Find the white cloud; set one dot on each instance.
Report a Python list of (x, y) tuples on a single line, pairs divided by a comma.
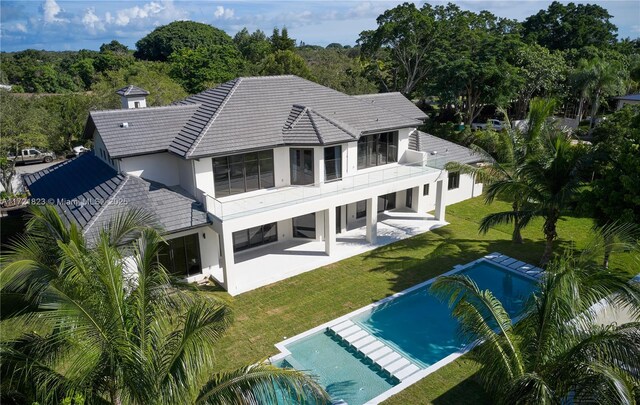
[(123, 17), (20, 27), (108, 18), (92, 22), (50, 11), (224, 13)]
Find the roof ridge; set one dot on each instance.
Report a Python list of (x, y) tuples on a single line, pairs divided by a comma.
[(300, 114), (154, 108), (213, 118), (315, 127), (336, 124), (106, 204), (386, 93)]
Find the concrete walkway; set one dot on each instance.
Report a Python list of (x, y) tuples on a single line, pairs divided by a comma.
[(269, 264)]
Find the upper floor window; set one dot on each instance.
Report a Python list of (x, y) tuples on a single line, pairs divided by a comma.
[(333, 163), (301, 161), (425, 189), (241, 173), (454, 180), (377, 149)]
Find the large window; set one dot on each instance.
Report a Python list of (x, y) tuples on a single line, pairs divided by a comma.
[(386, 202), (181, 256), (333, 163), (241, 173), (304, 226), (454, 180), (256, 236), (378, 149), (301, 166), (361, 209)]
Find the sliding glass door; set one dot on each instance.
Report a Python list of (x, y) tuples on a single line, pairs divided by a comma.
[(181, 256), (301, 166)]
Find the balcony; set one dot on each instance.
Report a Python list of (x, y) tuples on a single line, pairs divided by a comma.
[(242, 205)]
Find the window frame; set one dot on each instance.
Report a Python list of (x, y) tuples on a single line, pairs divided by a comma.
[(453, 181), (231, 170), (377, 149)]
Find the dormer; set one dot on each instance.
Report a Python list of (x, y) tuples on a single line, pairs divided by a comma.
[(133, 97)]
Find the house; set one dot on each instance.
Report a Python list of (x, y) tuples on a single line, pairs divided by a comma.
[(254, 167), (632, 99)]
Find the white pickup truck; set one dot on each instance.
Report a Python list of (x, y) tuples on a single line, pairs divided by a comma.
[(32, 155), (494, 124)]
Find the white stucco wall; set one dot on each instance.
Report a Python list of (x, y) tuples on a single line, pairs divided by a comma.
[(203, 173), (99, 148), (130, 102), (161, 167), (466, 190)]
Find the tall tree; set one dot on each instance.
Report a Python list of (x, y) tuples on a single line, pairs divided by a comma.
[(201, 68), (613, 196), (285, 63), (474, 70), (546, 181), (253, 47), (558, 350), (543, 74), (280, 40), (166, 39), (570, 26), (118, 339), (404, 49)]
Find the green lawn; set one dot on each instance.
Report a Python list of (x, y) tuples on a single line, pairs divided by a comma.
[(270, 314)]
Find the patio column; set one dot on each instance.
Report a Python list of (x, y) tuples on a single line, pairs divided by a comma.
[(372, 220), (416, 198), (440, 200), (330, 231), (228, 260)]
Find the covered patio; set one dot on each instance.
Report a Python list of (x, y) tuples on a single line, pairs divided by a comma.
[(277, 261)]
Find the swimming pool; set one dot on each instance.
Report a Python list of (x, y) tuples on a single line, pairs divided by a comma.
[(413, 329)]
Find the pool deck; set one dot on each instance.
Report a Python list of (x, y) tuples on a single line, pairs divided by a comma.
[(415, 376)]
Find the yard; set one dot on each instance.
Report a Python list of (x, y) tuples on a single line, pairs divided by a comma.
[(270, 314)]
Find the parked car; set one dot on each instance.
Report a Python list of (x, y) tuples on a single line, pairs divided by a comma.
[(32, 155), (494, 124), (79, 150)]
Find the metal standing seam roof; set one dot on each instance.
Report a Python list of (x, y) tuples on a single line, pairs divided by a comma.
[(89, 192), (395, 102), (132, 90), (251, 113), (446, 151)]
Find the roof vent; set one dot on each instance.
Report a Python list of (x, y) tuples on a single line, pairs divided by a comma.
[(124, 125), (435, 152)]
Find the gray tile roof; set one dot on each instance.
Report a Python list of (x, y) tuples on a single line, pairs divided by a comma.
[(307, 127), (395, 102), (442, 151), (89, 192), (132, 90), (251, 113), (148, 130)]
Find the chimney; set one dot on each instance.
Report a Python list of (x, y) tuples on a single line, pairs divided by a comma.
[(133, 97)]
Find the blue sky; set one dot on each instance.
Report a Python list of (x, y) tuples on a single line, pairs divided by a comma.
[(78, 24)]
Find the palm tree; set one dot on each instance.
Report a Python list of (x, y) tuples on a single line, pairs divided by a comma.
[(545, 182), (557, 351), (93, 327), (513, 148)]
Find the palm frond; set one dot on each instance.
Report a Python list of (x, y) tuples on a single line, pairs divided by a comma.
[(262, 384)]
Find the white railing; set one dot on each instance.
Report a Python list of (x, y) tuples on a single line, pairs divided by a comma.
[(241, 205)]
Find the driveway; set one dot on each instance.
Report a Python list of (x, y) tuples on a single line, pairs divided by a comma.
[(26, 169)]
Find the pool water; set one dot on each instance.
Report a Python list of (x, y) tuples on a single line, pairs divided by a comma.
[(342, 374), (417, 324), (422, 327)]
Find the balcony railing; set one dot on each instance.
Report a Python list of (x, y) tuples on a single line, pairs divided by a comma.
[(242, 205)]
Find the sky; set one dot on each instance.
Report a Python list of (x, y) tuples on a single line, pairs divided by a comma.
[(80, 24)]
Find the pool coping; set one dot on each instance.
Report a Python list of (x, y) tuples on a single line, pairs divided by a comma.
[(284, 352)]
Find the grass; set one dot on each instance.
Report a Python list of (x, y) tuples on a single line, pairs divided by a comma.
[(270, 314)]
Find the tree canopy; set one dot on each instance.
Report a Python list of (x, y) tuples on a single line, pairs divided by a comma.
[(570, 26), (163, 41)]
